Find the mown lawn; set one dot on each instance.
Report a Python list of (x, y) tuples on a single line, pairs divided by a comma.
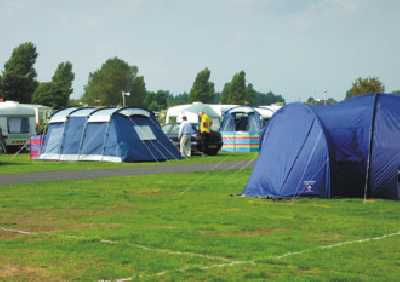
[(20, 163), (188, 227)]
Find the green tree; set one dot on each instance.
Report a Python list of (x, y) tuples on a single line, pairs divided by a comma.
[(157, 101), (57, 92), (265, 99), (19, 75), (180, 99), (250, 94), (62, 79), (237, 91), (397, 92), (74, 103), (202, 89), (312, 101), (49, 95), (105, 85), (363, 86), (137, 93), (331, 101)]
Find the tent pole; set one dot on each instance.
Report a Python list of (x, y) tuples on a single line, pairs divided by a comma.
[(371, 138)]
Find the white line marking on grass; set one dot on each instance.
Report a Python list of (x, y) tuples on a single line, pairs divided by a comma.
[(228, 262), (288, 254), (17, 231), (111, 242), (179, 253), (331, 246), (184, 269)]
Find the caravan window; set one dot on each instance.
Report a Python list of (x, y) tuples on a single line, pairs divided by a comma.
[(18, 125)]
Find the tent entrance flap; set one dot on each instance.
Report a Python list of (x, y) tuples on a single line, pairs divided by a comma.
[(241, 130), (287, 166), (349, 179)]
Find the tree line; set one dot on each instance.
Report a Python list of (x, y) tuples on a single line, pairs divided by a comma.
[(361, 86), (115, 76), (18, 82)]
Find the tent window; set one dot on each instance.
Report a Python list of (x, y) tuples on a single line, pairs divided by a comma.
[(73, 135), (144, 132), (241, 122), (18, 125), (93, 142), (54, 137)]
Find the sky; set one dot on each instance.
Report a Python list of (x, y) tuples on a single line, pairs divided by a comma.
[(296, 48)]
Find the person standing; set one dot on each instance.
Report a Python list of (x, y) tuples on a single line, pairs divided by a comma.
[(185, 135), (205, 125)]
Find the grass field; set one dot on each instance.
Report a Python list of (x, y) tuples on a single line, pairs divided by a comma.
[(13, 164), (188, 227)]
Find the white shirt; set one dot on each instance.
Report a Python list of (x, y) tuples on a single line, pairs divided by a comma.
[(185, 128)]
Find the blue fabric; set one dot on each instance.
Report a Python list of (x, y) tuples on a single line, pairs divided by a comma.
[(111, 147), (289, 166), (385, 159), (73, 135), (324, 150), (231, 123), (348, 127), (131, 148), (93, 142), (115, 138), (53, 138)]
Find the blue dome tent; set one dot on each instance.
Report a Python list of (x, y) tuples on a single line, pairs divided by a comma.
[(241, 129), (106, 134), (350, 149)]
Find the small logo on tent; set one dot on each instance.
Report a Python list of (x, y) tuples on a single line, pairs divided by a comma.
[(308, 186)]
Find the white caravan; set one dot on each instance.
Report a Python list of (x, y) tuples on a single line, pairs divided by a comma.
[(267, 112), (17, 123), (42, 114), (175, 113)]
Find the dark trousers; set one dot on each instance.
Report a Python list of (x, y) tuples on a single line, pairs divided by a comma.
[(204, 141)]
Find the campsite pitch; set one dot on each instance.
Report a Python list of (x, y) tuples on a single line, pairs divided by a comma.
[(187, 227)]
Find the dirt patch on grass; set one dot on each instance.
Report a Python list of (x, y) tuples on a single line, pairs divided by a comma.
[(154, 191), (7, 235), (233, 210), (51, 220), (22, 273), (245, 233), (155, 227)]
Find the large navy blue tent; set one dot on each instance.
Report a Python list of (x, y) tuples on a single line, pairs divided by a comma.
[(106, 134), (329, 151)]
